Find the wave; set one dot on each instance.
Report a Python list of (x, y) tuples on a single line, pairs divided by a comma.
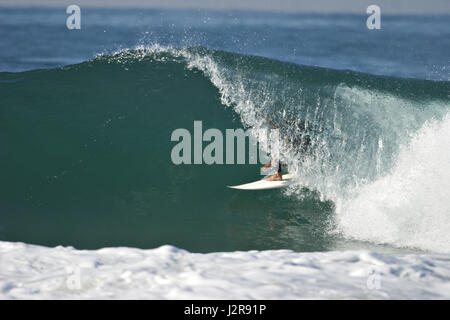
[(84, 123), (379, 144)]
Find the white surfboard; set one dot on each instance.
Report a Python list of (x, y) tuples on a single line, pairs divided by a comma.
[(264, 185)]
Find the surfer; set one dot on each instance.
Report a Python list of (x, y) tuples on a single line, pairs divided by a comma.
[(277, 176), (297, 132)]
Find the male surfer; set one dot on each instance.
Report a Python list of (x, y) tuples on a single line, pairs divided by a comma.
[(297, 133), (277, 176)]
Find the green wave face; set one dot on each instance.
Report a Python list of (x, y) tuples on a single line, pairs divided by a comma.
[(85, 150)]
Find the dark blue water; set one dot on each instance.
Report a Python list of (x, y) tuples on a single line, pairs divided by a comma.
[(406, 46)]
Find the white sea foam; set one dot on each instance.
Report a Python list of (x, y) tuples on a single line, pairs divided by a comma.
[(410, 205), (36, 272)]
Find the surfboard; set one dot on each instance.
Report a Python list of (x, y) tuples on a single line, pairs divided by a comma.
[(265, 185)]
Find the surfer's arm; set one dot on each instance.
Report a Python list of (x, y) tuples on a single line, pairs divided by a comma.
[(268, 165)]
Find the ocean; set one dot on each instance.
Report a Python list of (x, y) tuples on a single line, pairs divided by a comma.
[(85, 153)]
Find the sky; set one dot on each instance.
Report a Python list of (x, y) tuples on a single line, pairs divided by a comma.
[(294, 6)]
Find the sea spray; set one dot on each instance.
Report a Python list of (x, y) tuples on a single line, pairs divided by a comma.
[(409, 205)]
